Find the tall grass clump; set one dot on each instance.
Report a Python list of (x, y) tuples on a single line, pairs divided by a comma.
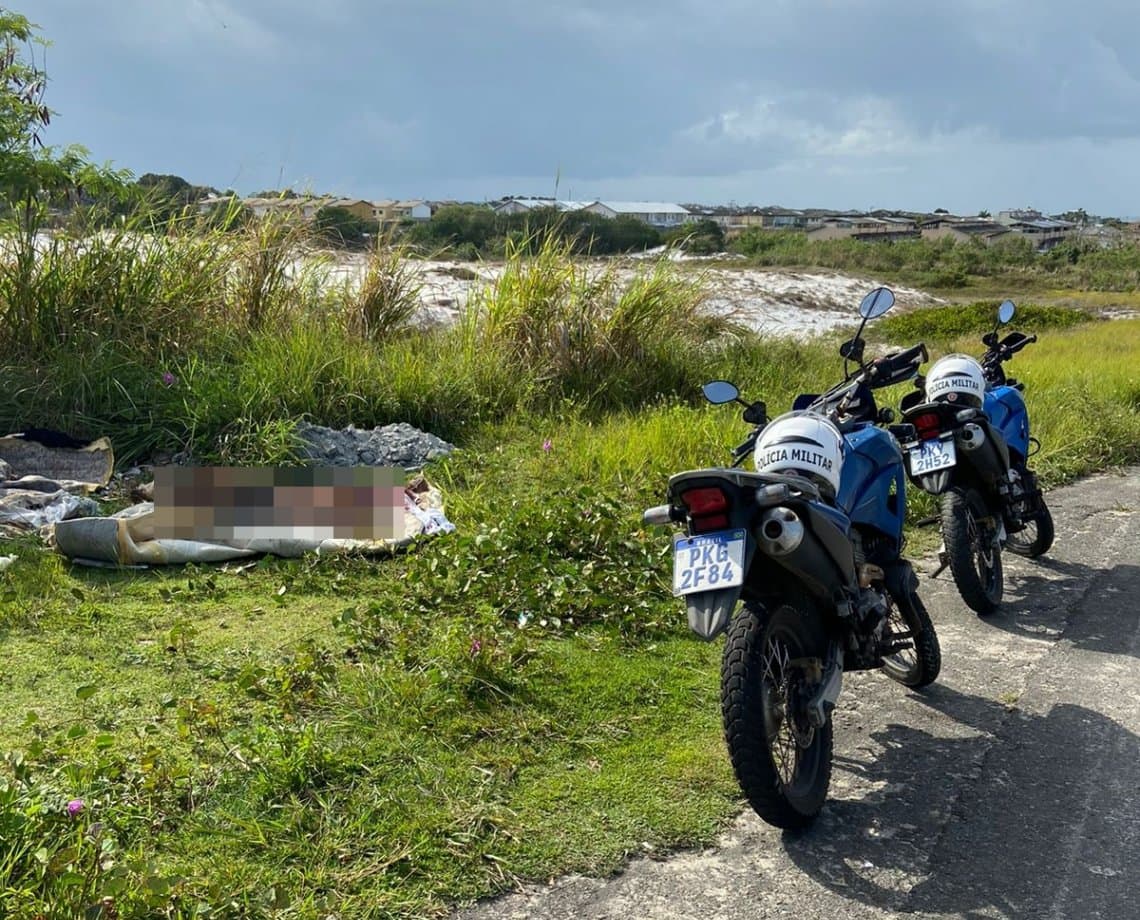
[(270, 282), (199, 332), (388, 295), (131, 327), (149, 295), (581, 333)]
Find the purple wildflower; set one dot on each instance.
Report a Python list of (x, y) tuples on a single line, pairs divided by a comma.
[(168, 379), (74, 807), (476, 647), (546, 445)]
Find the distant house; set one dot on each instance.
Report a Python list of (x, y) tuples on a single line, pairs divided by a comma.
[(660, 214), (1045, 232), (357, 207), (864, 227), (783, 219), (768, 218), (395, 211), (306, 207), (525, 205), (963, 229), (1017, 215), (415, 209)]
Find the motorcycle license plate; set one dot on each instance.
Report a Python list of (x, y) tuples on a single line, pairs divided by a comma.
[(708, 562), (931, 456)]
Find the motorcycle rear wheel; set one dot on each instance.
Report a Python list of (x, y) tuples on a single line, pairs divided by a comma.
[(975, 557), (783, 764)]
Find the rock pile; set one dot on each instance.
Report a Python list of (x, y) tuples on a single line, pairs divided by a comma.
[(400, 444)]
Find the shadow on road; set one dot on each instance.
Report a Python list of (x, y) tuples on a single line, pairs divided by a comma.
[(1039, 605), (1012, 809)]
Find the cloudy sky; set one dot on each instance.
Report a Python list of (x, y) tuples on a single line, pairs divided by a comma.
[(963, 104)]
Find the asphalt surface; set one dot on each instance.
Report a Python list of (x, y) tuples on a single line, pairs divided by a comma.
[(1009, 789)]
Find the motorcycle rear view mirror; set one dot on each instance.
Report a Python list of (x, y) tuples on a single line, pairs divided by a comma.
[(720, 391), (876, 303), (1006, 311)]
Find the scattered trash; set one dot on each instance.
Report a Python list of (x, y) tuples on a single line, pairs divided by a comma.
[(33, 509), (45, 476)]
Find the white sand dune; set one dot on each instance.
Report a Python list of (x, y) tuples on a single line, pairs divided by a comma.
[(783, 302)]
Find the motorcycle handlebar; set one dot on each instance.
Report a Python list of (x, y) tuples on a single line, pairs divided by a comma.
[(892, 368), (1003, 351), (745, 447)]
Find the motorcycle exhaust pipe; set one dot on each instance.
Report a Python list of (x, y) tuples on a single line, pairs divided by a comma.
[(781, 531), (971, 437)]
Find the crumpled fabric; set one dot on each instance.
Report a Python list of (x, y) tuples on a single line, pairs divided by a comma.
[(45, 476), (34, 505)]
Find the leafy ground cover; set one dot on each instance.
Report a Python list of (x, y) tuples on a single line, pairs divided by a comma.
[(388, 738)]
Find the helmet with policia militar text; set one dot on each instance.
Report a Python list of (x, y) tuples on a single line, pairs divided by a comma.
[(804, 444), (957, 379)]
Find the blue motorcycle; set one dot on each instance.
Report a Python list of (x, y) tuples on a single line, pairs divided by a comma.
[(1028, 521), (970, 448), (810, 547)]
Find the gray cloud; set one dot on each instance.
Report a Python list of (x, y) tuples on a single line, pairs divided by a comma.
[(414, 95)]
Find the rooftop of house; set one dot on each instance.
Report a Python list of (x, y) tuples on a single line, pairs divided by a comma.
[(642, 207), (1044, 223), (545, 203)]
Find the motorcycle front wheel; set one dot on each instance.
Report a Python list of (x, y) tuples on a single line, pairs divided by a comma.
[(975, 557), (919, 665), (782, 762), (1036, 537)]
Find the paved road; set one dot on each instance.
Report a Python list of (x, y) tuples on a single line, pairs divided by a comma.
[(1010, 789)]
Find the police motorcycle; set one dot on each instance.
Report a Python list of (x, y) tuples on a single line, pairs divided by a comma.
[(970, 447), (810, 546)]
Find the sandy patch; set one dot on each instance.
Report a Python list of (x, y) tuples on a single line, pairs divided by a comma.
[(775, 301)]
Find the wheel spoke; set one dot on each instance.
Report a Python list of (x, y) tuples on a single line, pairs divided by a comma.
[(781, 736)]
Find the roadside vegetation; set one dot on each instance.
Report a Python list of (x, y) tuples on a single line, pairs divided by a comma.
[(387, 738), (1010, 265)]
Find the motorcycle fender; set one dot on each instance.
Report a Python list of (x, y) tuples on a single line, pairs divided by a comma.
[(936, 483), (711, 611), (900, 578)]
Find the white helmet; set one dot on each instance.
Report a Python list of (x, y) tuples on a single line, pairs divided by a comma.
[(958, 379), (803, 443)]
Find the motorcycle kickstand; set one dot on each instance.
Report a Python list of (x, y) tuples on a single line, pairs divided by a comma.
[(943, 561)]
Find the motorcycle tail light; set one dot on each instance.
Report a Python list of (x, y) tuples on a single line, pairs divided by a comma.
[(707, 507), (927, 425)]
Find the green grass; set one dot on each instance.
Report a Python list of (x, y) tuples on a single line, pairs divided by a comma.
[(518, 700), (1010, 266), (974, 319)]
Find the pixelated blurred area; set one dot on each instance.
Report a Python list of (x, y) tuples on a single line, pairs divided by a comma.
[(408, 511), (354, 494), (294, 503)]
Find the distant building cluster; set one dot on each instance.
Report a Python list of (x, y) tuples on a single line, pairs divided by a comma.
[(818, 224), (384, 212)]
